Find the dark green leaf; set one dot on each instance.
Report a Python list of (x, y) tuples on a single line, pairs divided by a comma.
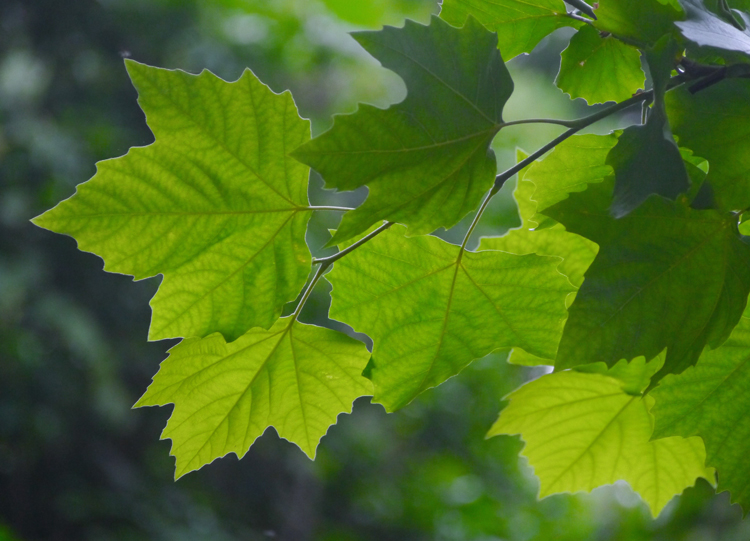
[(705, 29), (426, 161)]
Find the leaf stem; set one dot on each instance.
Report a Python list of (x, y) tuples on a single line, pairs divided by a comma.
[(566, 123), (328, 261), (337, 209)]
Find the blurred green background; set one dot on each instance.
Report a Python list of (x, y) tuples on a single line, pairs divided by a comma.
[(76, 463)]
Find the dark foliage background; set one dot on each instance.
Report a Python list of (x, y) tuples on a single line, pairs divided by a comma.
[(76, 463)]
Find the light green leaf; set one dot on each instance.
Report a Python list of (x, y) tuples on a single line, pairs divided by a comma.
[(294, 377), (426, 160), (215, 204), (431, 309), (646, 159), (713, 123), (520, 24), (583, 431), (599, 69), (710, 400), (666, 275), (640, 22)]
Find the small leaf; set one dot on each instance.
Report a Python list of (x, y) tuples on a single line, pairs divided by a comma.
[(710, 400), (426, 161), (599, 69), (713, 123), (583, 430), (646, 159), (215, 204), (520, 24), (666, 275), (431, 309), (294, 377), (705, 29)]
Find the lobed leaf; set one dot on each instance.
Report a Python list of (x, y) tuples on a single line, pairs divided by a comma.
[(431, 308), (294, 377), (710, 400), (427, 160), (583, 430), (520, 24), (215, 204), (599, 68)]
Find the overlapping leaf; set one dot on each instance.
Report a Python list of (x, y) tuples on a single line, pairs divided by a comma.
[(215, 204), (666, 275), (599, 68), (710, 400), (641, 22), (297, 378), (426, 160), (583, 430), (431, 309), (713, 124), (520, 24), (646, 159), (706, 29)]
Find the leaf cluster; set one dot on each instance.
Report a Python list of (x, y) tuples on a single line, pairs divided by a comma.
[(630, 273)]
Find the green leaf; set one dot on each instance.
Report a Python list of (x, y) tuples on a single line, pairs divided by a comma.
[(640, 22), (710, 400), (599, 69), (215, 204), (431, 309), (646, 159), (666, 275), (705, 29), (520, 24), (294, 377), (584, 430), (713, 123), (426, 160)]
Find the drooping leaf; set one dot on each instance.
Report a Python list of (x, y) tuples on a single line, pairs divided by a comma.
[(713, 124), (599, 68), (666, 275), (583, 430), (641, 22), (215, 204), (706, 29), (426, 160), (431, 309), (646, 159), (297, 378), (710, 400), (520, 24)]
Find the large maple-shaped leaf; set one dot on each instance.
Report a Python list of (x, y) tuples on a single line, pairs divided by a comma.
[(215, 204), (431, 308), (646, 159), (297, 378), (666, 275), (520, 24), (426, 160), (710, 400), (599, 68), (713, 123), (706, 29), (584, 430)]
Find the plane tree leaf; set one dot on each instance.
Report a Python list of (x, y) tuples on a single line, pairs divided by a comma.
[(584, 430), (297, 378), (431, 308), (215, 204), (599, 68), (706, 29), (710, 400), (520, 24), (666, 275), (646, 159), (713, 124), (426, 160)]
